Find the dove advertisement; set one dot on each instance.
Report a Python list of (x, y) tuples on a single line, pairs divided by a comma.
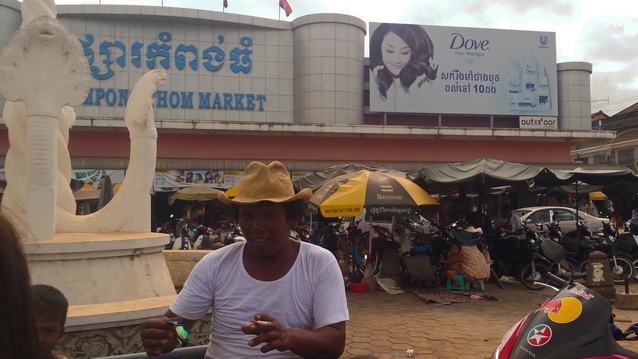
[(452, 70)]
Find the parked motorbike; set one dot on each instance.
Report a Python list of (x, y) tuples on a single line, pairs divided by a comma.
[(300, 233), (550, 236), (234, 235), (627, 242), (548, 332), (407, 232), (553, 231), (381, 239), (520, 258), (620, 263), (183, 233), (207, 238), (169, 227)]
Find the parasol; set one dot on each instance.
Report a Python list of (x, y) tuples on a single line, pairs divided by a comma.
[(194, 193)]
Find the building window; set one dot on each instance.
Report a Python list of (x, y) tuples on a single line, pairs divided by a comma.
[(599, 159), (626, 157)]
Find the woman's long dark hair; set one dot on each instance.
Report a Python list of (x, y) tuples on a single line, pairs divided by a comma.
[(19, 339), (422, 52)]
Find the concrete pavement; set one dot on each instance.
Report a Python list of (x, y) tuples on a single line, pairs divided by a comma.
[(387, 325)]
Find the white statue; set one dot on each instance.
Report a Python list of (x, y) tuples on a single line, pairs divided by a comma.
[(43, 73)]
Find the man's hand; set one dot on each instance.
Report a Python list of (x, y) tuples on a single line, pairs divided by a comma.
[(158, 336), (325, 342)]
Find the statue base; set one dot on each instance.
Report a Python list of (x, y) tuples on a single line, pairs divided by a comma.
[(113, 282)]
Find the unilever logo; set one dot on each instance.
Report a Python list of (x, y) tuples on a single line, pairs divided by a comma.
[(543, 40)]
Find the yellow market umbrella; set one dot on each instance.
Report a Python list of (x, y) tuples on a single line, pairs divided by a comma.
[(381, 194), (597, 196), (88, 186), (231, 192), (194, 193)]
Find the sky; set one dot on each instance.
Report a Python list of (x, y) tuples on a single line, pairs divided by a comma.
[(603, 33)]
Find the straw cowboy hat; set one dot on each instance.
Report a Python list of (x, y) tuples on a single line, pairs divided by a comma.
[(265, 183)]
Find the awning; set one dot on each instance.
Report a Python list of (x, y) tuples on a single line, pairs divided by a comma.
[(318, 178)]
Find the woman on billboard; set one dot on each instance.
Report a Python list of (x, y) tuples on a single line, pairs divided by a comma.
[(400, 63)]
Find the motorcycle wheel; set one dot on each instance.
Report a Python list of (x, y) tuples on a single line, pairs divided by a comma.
[(624, 268), (527, 277), (635, 276), (375, 266), (556, 268)]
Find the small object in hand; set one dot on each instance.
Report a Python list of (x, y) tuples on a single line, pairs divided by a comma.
[(181, 333), (260, 322)]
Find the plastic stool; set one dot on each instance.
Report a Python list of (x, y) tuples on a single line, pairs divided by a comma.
[(480, 283), (461, 286)]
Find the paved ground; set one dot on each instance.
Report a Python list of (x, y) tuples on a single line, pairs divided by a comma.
[(387, 325)]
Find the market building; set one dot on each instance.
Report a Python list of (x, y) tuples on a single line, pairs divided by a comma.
[(243, 88), (620, 150)]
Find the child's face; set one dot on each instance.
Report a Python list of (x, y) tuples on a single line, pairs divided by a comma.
[(50, 332)]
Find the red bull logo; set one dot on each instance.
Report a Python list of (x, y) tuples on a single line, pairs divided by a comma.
[(563, 310), (550, 306)]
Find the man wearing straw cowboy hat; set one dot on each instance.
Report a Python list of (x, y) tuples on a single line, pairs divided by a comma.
[(269, 294)]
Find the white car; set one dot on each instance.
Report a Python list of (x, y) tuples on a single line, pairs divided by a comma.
[(565, 216), (414, 221)]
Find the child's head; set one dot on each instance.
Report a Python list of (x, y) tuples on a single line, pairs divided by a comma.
[(50, 307)]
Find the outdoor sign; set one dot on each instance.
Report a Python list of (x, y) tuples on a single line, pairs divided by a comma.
[(172, 180), (452, 70), (531, 122), (215, 71), (113, 57), (164, 180)]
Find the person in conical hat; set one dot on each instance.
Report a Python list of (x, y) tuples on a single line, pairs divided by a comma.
[(269, 294)]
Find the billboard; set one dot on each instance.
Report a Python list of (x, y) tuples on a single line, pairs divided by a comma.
[(453, 70)]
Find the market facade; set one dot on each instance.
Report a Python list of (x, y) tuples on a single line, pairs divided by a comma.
[(244, 88)]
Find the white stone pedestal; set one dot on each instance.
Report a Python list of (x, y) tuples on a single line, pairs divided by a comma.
[(96, 268), (113, 282)]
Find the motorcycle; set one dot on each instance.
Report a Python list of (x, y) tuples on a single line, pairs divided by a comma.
[(572, 324), (627, 242), (550, 236), (381, 239), (300, 233), (234, 235), (520, 258), (183, 232), (328, 238), (620, 263), (169, 227), (408, 232), (207, 238)]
